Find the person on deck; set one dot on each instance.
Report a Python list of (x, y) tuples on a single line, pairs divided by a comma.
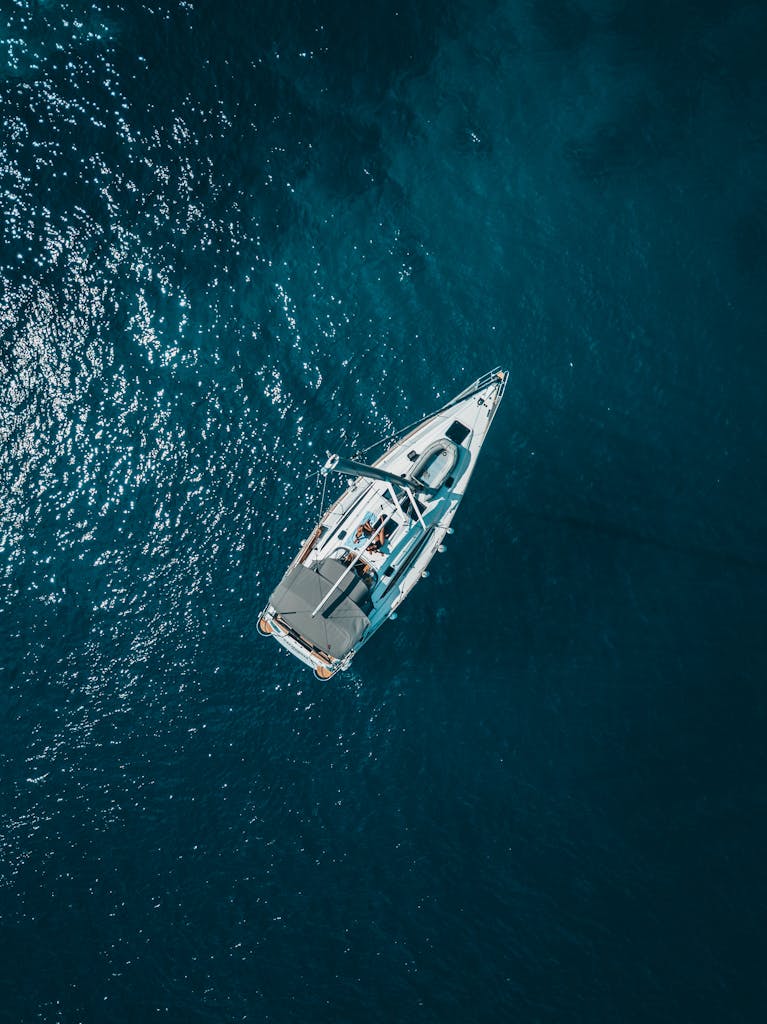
[(368, 528)]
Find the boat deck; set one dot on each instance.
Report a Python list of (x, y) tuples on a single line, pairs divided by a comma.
[(381, 532)]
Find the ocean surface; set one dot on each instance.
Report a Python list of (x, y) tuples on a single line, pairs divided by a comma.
[(236, 235)]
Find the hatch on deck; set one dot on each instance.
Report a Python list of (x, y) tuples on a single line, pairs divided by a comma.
[(457, 432)]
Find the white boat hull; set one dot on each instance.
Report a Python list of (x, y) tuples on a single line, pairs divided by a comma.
[(409, 534)]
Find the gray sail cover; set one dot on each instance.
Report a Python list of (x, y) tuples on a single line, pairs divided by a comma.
[(341, 621)]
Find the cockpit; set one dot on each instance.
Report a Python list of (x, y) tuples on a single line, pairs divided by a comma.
[(363, 568)]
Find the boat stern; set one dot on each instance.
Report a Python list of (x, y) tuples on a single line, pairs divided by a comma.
[(323, 665)]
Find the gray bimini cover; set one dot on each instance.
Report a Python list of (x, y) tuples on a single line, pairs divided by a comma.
[(341, 621)]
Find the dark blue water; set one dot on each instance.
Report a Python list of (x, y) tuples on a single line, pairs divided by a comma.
[(236, 235)]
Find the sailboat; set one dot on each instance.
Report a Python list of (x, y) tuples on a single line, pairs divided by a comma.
[(375, 542)]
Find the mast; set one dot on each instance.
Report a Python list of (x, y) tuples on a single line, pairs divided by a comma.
[(338, 464)]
